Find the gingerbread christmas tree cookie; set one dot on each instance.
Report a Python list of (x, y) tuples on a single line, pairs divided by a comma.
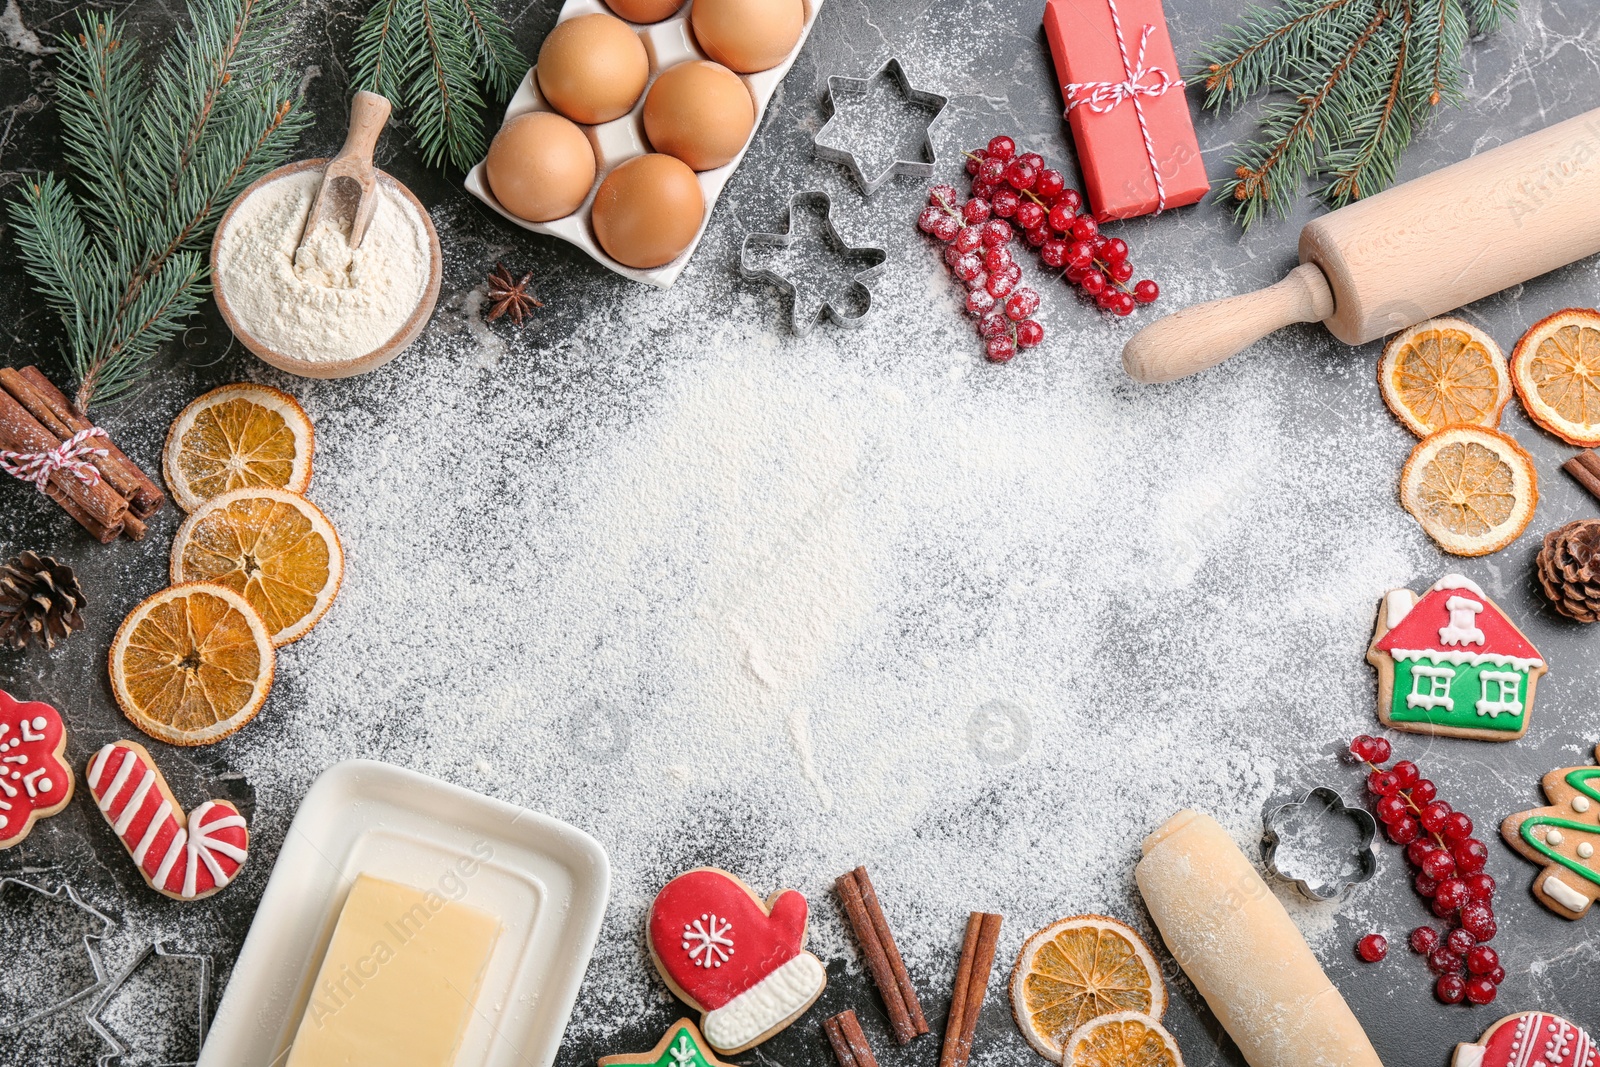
[(1451, 663), (1565, 837), (682, 1046)]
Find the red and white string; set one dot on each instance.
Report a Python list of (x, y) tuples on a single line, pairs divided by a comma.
[(37, 467), (1103, 96)]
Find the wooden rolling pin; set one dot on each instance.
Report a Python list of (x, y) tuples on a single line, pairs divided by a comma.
[(1407, 254)]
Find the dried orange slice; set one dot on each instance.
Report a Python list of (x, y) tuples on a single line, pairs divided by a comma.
[(1077, 969), (1122, 1039), (1472, 489), (276, 548), (238, 436), (1442, 372), (1556, 369), (191, 664)]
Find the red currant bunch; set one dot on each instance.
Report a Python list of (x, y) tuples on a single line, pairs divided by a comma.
[(1036, 199), (978, 252), (1449, 862)]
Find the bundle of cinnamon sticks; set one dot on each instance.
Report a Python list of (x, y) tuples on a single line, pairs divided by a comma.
[(36, 418)]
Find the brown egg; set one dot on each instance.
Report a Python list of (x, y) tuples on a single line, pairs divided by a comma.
[(592, 68), (644, 10), (648, 210), (700, 112), (540, 166), (747, 35)]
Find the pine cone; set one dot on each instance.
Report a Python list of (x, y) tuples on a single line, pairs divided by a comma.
[(40, 601), (1569, 569)]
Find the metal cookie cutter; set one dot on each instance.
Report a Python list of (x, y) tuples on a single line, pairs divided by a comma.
[(806, 313), (839, 85), (158, 951), (67, 895), (1290, 820)]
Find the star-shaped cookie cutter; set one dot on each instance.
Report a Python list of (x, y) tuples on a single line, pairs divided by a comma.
[(157, 949), (70, 896), (800, 319), (1273, 818), (922, 167)]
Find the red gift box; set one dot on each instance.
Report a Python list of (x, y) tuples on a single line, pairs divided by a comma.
[(1125, 101)]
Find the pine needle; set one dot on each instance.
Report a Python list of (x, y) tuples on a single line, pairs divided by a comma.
[(118, 251), (435, 60), (1358, 78)]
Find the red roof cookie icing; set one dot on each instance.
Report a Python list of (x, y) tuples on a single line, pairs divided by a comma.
[(1456, 616), (1530, 1039), (737, 959), (35, 781)]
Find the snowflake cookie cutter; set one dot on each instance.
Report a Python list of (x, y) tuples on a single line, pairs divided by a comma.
[(805, 314), (895, 73), (1279, 823), (155, 950), (65, 894)]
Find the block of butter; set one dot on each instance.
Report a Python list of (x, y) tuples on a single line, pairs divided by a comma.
[(399, 980)]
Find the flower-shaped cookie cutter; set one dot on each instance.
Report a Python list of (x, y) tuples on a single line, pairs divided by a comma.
[(895, 73), (802, 314), (120, 1049), (1278, 820), (64, 895)]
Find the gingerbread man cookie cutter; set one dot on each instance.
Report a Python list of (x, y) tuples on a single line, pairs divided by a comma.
[(895, 74), (864, 262), (155, 951), (1286, 821), (64, 895)]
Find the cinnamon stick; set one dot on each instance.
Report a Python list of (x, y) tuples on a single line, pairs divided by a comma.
[(972, 982), (1585, 467), (21, 432), (145, 497), (882, 955), (849, 1043), (104, 534)]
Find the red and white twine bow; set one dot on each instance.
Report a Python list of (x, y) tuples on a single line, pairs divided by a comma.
[(37, 467), (1103, 96)]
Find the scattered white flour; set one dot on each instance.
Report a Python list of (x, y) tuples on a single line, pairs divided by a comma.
[(329, 302)]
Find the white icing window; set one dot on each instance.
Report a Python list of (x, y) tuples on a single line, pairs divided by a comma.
[(1498, 693), (1463, 627), (1430, 687)]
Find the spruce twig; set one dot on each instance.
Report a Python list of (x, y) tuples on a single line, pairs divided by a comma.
[(118, 251), (1360, 77), (435, 60)]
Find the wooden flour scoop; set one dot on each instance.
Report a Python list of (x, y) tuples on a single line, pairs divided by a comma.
[(1407, 254), (349, 188)]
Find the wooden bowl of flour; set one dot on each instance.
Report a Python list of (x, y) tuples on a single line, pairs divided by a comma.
[(322, 367)]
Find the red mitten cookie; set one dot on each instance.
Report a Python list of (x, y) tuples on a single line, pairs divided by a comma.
[(1529, 1039), (185, 858), (735, 957), (35, 782)]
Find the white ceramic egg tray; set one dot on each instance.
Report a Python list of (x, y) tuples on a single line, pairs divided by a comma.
[(667, 44)]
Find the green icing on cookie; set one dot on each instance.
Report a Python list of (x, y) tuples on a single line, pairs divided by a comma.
[(683, 1051), (1453, 700), (1551, 854), (1580, 779)]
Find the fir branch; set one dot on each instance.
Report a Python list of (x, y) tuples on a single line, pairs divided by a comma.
[(1361, 77), (435, 60)]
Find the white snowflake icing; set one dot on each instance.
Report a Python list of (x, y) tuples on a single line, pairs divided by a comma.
[(683, 1053), (708, 940)]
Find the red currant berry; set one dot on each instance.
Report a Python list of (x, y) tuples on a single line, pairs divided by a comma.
[(1072, 199), (1451, 894), (1079, 254), (1450, 988), (993, 170), (1425, 886), (1024, 302), (1053, 253), (1000, 349), (1424, 939), (1121, 270), (1061, 217), (979, 301), (1020, 176), (1382, 783), (1423, 792), (997, 258), (1146, 292), (1032, 159), (1471, 855), (968, 267), (1407, 772), (1094, 283), (1418, 851), (1124, 305), (1029, 333), (1000, 284), (968, 239), (1115, 250), (942, 195), (1084, 228), (1049, 185), (1391, 809), (1075, 275), (1480, 991), (1478, 920), (1460, 942), (1380, 750), (1361, 747), (926, 220), (1029, 216), (1037, 236), (1481, 959), (1433, 816), (975, 212), (994, 324), (1403, 831), (1001, 147), (977, 281), (1106, 298), (1457, 827), (1497, 975), (1480, 887), (1442, 961), (987, 190), (945, 227), (1439, 865), (974, 161), (1373, 947), (1441, 910), (996, 232), (1005, 202), (952, 255)]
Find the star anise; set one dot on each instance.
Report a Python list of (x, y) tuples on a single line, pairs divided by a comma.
[(510, 297)]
